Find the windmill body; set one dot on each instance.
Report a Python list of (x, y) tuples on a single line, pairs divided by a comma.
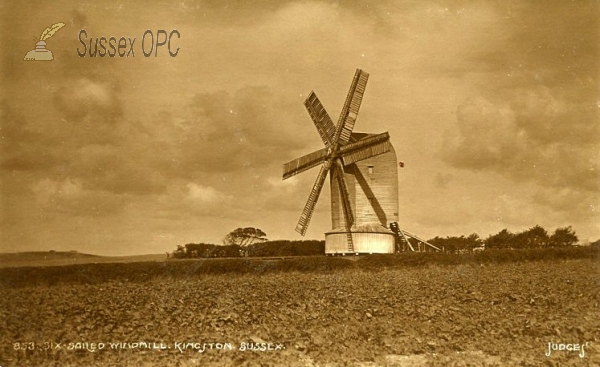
[(363, 177), (373, 193)]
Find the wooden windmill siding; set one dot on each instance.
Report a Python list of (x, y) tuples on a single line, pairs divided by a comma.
[(373, 190)]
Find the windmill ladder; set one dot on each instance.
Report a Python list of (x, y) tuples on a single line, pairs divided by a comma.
[(350, 241), (419, 239), (406, 240), (404, 235)]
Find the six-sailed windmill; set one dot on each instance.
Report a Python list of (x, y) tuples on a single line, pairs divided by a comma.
[(363, 178), (359, 177)]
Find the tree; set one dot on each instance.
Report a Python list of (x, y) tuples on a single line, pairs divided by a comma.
[(245, 237), (199, 250), (457, 245), (534, 237), (500, 240), (472, 242), (564, 236), (180, 252)]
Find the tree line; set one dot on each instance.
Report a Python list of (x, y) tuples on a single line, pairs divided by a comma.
[(262, 249), (253, 242), (534, 237), (250, 242)]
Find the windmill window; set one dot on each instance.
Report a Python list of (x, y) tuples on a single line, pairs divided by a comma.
[(370, 170)]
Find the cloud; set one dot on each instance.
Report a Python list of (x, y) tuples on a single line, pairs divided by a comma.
[(537, 136), (78, 19), (552, 43), (249, 132), (536, 119), (47, 190), (54, 196), (22, 148), (278, 183), (243, 137), (485, 137), (83, 101), (443, 179), (206, 194), (567, 200)]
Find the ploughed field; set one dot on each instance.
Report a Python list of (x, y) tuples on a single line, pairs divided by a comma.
[(333, 313)]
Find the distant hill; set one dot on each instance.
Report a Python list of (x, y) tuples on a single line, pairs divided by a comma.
[(54, 258)]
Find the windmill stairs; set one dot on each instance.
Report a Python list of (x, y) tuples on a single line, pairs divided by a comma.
[(403, 241)]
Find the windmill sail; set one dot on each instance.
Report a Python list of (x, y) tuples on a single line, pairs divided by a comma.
[(347, 209), (352, 106), (309, 208), (304, 163), (321, 119), (365, 148)]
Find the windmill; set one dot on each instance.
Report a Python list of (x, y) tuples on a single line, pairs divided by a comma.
[(363, 174)]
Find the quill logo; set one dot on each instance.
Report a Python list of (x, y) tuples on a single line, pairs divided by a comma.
[(40, 53)]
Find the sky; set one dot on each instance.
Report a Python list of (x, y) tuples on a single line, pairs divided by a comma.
[(493, 106)]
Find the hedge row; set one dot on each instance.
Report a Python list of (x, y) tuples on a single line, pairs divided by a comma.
[(188, 269)]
